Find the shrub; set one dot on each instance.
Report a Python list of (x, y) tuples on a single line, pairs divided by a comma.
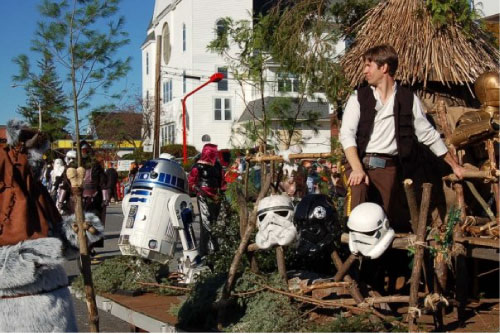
[(176, 150)]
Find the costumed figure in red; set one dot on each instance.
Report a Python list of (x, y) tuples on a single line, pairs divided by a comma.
[(206, 179)]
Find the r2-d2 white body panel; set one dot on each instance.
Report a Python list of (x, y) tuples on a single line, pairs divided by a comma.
[(157, 212)]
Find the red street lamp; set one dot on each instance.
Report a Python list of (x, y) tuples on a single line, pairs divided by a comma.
[(214, 78)]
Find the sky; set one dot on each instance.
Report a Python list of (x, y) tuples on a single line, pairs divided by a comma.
[(18, 21)]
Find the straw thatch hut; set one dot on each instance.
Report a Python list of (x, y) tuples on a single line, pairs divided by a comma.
[(436, 62)]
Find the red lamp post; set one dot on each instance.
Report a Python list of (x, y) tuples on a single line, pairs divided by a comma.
[(214, 78)]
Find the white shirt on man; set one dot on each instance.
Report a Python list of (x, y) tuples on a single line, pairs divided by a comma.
[(383, 137)]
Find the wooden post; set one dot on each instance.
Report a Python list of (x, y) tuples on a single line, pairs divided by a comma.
[(345, 268), (242, 202), (412, 203), (493, 165), (76, 179), (462, 279), (419, 253), (459, 192), (354, 289), (280, 260)]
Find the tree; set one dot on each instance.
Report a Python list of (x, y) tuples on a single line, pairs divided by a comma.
[(275, 123), (45, 94), (70, 32)]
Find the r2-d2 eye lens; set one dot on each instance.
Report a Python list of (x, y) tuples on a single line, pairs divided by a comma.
[(152, 244)]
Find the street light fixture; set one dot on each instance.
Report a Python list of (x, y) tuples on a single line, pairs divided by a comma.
[(38, 103), (216, 77)]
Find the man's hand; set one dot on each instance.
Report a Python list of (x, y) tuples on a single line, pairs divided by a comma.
[(459, 171), (358, 176)]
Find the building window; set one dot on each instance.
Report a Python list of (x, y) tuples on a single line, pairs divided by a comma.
[(184, 82), (222, 85), (167, 91), (287, 83), (168, 134), (147, 100), (183, 37), (205, 138), (147, 63), (220, 28), (222, 109)]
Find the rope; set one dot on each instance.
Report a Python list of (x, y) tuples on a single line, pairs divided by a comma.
[(432, 300), (414, 312), (412, 242)]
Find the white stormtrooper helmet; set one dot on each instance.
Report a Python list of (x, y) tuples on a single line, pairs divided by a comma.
[(275, 222), (70, 157), (370, 233)]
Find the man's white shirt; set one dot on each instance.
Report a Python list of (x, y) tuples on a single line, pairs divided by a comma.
[(383, 137)]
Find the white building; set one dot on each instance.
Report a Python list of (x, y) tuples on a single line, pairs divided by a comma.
[(187, 27)]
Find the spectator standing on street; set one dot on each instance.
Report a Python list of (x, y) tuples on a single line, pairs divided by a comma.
[(112, 176)]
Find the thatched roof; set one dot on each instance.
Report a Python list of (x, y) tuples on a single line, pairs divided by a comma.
[(426, 53)]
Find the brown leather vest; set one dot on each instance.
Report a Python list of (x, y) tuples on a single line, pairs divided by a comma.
[(403, 121), (26, 209)]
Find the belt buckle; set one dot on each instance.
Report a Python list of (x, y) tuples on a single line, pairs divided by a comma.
[(374, 162)]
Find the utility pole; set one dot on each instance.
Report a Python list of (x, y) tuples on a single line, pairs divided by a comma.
[(156, 140)]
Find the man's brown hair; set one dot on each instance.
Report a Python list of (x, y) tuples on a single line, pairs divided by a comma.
[(383, 54)]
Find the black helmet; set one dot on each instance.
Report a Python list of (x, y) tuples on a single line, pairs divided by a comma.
[(315, 219)]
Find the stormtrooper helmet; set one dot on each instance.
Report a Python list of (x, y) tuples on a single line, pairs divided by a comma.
[(370, 233), (275, 222), (70, 157), (315, 219)]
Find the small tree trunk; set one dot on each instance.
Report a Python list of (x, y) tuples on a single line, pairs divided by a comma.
[(419, 253), (85, 262), (280, 260), (493, 165), (345, 268), (354, 290), (412, 203)]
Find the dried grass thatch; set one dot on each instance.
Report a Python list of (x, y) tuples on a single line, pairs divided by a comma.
[(426, 53)]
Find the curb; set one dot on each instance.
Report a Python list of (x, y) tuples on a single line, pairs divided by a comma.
[(134, 318)]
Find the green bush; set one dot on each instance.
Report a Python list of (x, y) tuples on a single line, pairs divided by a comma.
[(176, 150), (122, 273)]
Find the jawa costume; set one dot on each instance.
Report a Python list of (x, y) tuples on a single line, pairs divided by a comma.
[(207, 180), (34, 295), (95, 196)]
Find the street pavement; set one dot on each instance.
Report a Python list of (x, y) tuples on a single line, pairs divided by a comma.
[(107, 322)]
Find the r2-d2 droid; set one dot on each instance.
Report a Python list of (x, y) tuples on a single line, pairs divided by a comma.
[(157, 212)]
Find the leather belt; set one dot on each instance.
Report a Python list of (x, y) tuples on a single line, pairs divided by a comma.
[(389, 160)]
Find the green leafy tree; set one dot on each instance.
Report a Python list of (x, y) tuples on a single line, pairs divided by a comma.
[(44, 93), (348, 13), (72, 33), (248, 49)]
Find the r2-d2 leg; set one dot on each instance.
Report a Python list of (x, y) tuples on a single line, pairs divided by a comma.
[(181, 211)]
